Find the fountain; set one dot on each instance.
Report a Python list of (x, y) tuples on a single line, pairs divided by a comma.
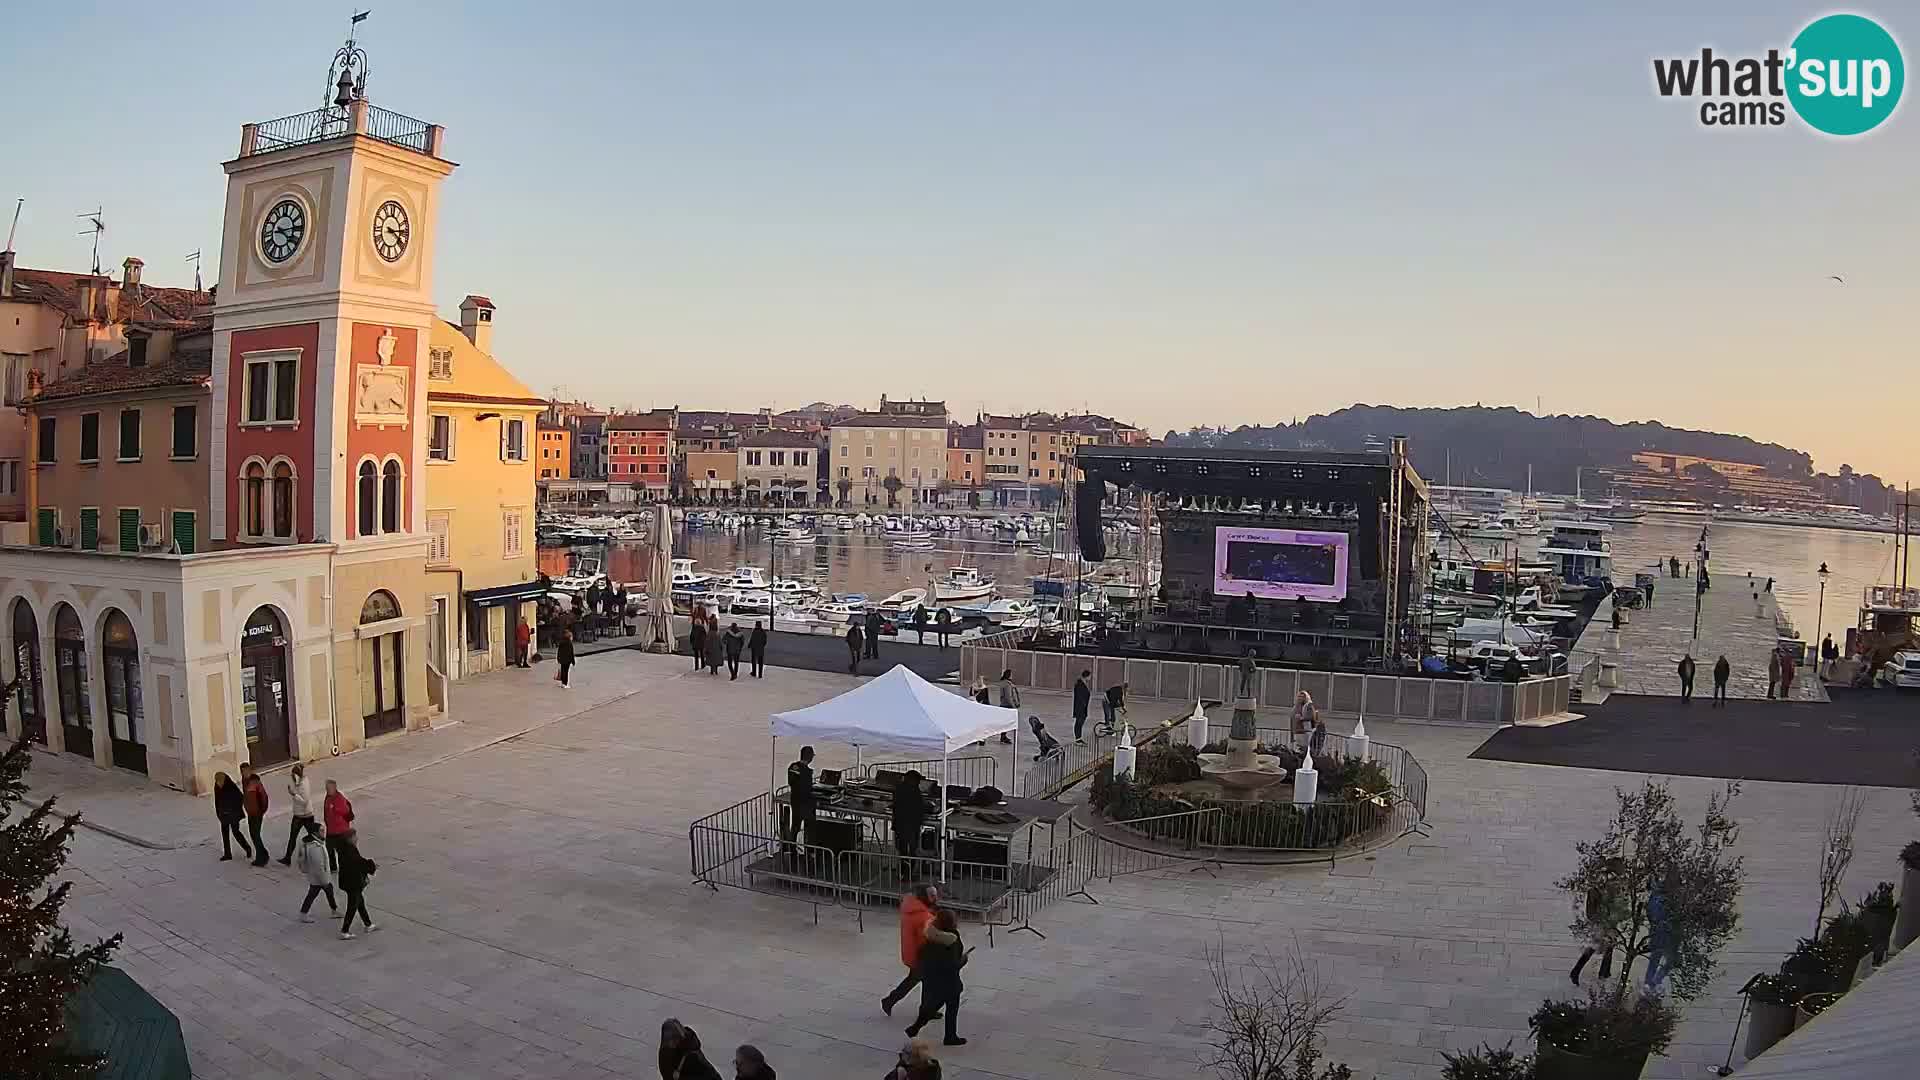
[(1240, 772)]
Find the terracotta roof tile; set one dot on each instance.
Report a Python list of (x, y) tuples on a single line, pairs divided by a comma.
[(796, 439), (142, 304), (186, 367), (888, 420)]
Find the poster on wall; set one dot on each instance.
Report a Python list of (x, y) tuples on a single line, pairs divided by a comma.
[(1280, 564), (249, 703)]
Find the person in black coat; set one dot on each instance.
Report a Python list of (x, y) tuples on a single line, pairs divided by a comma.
[(1721, 672), (229, 806), (757, 652), (697, 639), (565, 657), (941, 959), (855, 642), (734, 641), (1082, 701), (920, 623), (355, 871), (873, 635), (680, 1055), (943, 625), (909, 817)]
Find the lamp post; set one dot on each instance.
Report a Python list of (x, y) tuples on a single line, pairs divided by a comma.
[(1819, 622), (1699, 588)]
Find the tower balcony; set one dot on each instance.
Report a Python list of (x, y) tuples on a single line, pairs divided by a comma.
[(360, 117)]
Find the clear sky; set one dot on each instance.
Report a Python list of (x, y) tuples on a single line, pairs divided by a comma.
[(1174, 213)]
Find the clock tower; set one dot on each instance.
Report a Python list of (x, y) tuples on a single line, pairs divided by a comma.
[(321, 322)]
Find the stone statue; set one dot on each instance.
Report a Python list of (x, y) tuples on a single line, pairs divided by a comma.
[(1249, 672)]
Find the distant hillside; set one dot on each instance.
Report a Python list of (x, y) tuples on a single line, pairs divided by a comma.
[(1493, 447)]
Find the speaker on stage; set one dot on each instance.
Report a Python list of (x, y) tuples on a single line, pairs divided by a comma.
[(1086, 519)]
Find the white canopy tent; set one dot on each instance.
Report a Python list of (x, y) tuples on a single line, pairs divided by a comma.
[(901, 709)]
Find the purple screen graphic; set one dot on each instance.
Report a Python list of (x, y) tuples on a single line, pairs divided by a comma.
[(1280, 564)]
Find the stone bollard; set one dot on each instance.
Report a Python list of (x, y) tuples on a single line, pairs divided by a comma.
[(1306, 782), (1362, 745), (1197, 726), (1609, 675), (1122, 761)]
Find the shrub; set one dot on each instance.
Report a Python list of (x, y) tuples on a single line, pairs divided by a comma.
[(1606, 1025), (1776, 990), (1815, 966), (1880, 899), (1910, 855), (1815, 1004), (1848, 938), (1486, 1063)]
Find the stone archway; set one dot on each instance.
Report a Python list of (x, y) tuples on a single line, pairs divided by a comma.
[(28, 697), (383, 667), (120, 674), (70, 680), (266, 688)]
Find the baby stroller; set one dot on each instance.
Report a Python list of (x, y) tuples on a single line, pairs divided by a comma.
[(1048, 744)]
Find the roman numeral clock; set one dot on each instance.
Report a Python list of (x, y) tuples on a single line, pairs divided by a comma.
[(391, 231)]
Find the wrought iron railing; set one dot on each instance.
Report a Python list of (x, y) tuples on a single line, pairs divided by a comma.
[(320, 125)]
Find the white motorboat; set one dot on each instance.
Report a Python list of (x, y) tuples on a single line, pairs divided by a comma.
[(789, 591), (686, 576), (751, 603), (916, 543), (1003, 610), (962, 584), (585, 575), (746, 578), (903, 603), (795, 536), (839, 611)]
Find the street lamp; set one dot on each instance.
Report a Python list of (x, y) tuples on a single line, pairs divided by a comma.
[(1820, 618)]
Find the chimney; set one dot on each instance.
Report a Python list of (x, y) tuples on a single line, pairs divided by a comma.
[(476, 321), (130, 272), (6, 274)]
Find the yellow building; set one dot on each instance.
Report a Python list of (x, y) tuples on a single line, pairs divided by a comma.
[(554, 451), (481, 428)]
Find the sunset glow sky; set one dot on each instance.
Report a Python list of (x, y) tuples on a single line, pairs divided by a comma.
[(1177, 214)]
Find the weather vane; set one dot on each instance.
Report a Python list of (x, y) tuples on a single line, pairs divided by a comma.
[(347, 75)]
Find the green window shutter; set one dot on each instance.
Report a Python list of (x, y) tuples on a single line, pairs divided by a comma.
[(90, 530), (49, 524), (129, 530), (183, 531)]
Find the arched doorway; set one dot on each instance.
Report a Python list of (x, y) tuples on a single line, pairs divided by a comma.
[(382, 667), (120, 660), (26, 664), (70, 677), (266, 698)]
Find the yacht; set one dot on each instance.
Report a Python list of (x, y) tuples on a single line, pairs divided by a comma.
[(1580, 553), (962, 584)]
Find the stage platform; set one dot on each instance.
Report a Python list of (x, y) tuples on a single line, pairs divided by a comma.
[(874, 877)]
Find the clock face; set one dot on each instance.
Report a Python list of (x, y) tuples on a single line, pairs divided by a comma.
[(391, 230), (282, 230)]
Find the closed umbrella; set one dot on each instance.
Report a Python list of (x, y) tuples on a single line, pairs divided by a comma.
[(660, 583)]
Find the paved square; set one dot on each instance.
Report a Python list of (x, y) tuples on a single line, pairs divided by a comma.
[(538, 921)]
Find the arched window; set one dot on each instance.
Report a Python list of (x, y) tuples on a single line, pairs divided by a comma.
[(253, 482), (390, 497), (369, 493), (120, 659), (380, 607), (283, 500)]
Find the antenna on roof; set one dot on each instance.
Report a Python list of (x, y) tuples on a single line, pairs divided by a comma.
[(17, 204), (98, 225), (194, 258)]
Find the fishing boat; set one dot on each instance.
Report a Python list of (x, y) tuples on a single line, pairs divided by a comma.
[(914, 543), (962, 584), (686, 576), (903, 603), (751, 603), (746, 578), (794, 536), (584, 576), (1004, 610), (789, 591)]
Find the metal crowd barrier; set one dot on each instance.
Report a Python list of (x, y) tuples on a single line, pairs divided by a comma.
[(976, 771)]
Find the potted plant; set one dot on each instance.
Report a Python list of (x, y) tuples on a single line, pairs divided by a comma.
[(1813, 1005), (1850, 941), (1609, 1036), (1487, 1063), (1815, 967), (1878, 910), (1907, 926), (1770, 1000)]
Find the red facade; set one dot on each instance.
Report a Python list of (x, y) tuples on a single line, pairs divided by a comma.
[(292, 441)]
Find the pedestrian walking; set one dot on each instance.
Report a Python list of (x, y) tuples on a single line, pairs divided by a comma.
[(916, 1062), (943, 625), (750, 1064), (300, 804), (1649, 594), (1687, 668), (522, 644), (680, 1055), (856, 643), (1317, 735), (1082, 700), (564, 654), (716, 649), (920, 622), (1304, 712), (1661, 957), (1773, 673), (757, 649), (1009, 696), (941, 959), (1829, 652), (314, 862), (1788, 669), (735, 642), (229, 806), (1721, 671), (1599, 904), (254, 797), (336, 813), (917, 909), (356, 870), (697, 638), (873, 635)]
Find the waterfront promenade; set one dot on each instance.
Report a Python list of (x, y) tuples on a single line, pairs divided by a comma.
[(1737, 620), (538, 921)]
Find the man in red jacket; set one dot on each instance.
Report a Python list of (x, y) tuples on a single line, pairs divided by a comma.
[(254, 796), (917, 909), (337, 813)]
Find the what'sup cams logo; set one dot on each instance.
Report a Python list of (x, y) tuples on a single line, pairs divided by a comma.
[(1842, 75)]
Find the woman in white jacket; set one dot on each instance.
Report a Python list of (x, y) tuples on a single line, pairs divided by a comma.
[(313, 863), (299, 800)]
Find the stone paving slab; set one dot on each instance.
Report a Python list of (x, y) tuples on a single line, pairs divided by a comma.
[(1737, 619), (538, 919)]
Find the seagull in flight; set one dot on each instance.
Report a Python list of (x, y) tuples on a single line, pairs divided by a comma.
[(1836, 277)]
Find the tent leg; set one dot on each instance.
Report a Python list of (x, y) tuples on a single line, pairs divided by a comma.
[(943, 816)]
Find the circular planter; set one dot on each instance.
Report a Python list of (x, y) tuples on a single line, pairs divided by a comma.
[(1820, 1003), (1880, 921), (1767, 1024), (1553, 1063), (1906, 926)]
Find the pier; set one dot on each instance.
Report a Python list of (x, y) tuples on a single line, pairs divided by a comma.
[(1739, 619)]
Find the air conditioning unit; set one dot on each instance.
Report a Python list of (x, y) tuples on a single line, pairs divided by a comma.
[(150, 537)]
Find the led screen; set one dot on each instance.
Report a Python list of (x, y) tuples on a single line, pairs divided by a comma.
[(1280, 564)]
